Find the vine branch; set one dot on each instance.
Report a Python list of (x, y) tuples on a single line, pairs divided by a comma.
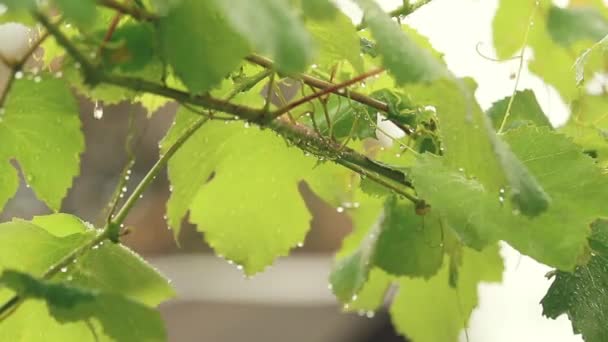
[(300, 135), (333, 89)]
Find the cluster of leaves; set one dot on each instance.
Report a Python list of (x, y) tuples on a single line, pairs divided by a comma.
[(431, 181)]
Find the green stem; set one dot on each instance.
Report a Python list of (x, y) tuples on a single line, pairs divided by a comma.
[(119, 218), (519, 69)]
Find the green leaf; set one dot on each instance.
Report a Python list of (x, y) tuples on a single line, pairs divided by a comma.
[(409, 244), (353, 264), (590, 60), (582, 294), (569, 25), (320, 9), (273, 28), (413, 314), (201, 22), (399, 242), (17, 11), (349, 119), (470, 144), (131, 47), (510, 24), (372, 295), (242, 161), (81, 12), (40, 126), (479, 216), (546, 39), (576, 185), (524, 110), (108, 316), (336, 39), (34, 247), (402, 56), (472, 211), (29, 248)]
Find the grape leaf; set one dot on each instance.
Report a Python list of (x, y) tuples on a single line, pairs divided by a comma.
[(33, 247), (402, 56), (40, 126), (546, 39), (468, 207), (471, 146), (350, 274), (103, 313), (569, 25), (524, 110), (133, 277), (414, 316), (409, 244), (247, 203), (556, 237), (371, 296), (336, 39), (582, 294), (399, 242), (217, 44), (271, 27), (81, 12), (578, 189), (131, 47), (590, 60), (319, 9), (354, 260), (348, 119)]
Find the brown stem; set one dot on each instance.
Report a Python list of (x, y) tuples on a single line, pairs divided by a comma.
[(336, 88)]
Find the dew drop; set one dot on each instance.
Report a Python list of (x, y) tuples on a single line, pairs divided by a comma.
[(98, 111), (340, 209), (19, 75), (502, 190), (124, 189), (127, 177), (58, 74), (129, 171), (95, 246), (239, 267), (354, 298), (300, 244), (64, 269), (37, 79), (370, 314)]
